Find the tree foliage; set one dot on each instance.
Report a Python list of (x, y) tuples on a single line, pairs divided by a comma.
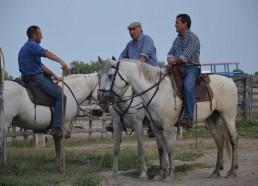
[(79, 67), (239, 70)]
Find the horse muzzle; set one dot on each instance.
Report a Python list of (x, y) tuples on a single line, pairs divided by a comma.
[(106, 97)]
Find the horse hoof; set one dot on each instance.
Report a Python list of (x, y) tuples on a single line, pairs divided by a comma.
[(158, 178), (169, 179), (215, 175), (231, 174)]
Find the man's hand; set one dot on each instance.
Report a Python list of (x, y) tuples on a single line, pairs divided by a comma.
[(64, 66), (56, 78)]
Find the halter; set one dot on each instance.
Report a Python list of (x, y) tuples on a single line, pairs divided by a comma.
[(133, 96)]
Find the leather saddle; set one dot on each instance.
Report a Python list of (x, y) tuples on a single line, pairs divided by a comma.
[(203, 91), (35, 92)]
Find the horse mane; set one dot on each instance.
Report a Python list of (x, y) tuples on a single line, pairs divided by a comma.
[(152, 74)]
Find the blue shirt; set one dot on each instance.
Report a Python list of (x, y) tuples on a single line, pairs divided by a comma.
[(29, 58), (186, 48), (144, 47)]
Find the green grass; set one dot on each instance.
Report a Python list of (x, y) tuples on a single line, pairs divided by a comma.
[(247, 128), (86, 158)]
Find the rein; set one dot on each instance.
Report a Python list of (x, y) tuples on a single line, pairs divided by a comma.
[(136, 95)]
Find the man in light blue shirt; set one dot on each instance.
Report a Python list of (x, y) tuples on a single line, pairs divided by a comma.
[(141, 47)]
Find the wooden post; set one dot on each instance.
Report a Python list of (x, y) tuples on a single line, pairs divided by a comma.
[(39, 140), (14, 130), (104, 122), (90, 123)]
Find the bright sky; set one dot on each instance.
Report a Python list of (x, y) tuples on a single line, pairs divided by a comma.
[(85, 29)]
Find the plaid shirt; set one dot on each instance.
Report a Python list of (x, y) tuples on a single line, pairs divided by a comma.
[(187, 49), (145, 47), (30, 58)]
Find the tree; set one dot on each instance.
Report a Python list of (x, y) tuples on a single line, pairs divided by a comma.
[(256, 73), (239, 71), (84, 68)]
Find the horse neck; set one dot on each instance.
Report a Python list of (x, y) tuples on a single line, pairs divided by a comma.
[(79, 88)]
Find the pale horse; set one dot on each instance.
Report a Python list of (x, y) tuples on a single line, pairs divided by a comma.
[(160, 104), (125, 114), (19, 109)]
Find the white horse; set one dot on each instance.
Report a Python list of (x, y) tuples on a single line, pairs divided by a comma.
[(125, 114), (160, 106), (19, 108)]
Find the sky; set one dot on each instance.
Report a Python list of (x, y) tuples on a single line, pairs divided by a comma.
[(82, 30)]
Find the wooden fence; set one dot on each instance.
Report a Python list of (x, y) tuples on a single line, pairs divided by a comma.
[(255, 98)]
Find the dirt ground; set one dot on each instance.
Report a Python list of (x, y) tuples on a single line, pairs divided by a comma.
[(247, 173)]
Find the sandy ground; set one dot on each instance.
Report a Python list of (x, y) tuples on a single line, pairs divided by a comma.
[(247, 174)]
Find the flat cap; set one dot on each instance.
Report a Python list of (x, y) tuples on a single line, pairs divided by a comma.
[(134, 25)]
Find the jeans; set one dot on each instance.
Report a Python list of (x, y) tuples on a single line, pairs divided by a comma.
[(189, 90), (56, 92)]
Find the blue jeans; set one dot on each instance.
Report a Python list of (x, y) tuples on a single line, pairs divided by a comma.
[(189, 90), (54, 91)]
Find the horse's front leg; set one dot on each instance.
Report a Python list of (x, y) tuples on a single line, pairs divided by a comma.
[(162, 156), (116, 149), (139, 136), (168, 138), (58, 159)]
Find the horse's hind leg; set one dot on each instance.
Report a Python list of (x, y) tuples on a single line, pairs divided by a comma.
[(217, 132), (139, 136), (229, 119)]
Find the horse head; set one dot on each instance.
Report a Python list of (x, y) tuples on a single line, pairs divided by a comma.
[(111, 83)]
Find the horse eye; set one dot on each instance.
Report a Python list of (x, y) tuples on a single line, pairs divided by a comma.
[(110, 76)]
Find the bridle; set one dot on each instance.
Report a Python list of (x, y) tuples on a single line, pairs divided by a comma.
[(156, 85)]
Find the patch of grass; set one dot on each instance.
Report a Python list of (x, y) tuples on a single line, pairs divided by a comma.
[(247, 128), (190, 155), (201, 133), (88, 181)]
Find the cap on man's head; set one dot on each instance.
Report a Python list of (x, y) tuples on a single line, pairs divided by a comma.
[(134, 25)]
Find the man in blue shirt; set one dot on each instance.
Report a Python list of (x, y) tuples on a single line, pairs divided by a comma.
[(141, 47), (30, 65), (186, 50)]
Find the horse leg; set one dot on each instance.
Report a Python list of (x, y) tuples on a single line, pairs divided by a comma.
[(229, 120), (217, 132), (116, 149), (58, 159), (162, 156), (168, 137), (139, 136)]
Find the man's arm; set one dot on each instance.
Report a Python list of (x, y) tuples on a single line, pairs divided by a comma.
[(53, 57), (50, 73)]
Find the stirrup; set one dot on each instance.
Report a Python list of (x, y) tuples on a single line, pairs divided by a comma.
[(186, 122)]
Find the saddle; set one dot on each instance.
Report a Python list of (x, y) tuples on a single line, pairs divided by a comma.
[(203, 91), (35, 92)]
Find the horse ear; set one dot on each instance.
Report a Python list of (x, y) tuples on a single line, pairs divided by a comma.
[(100, 60), (113, 58)]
